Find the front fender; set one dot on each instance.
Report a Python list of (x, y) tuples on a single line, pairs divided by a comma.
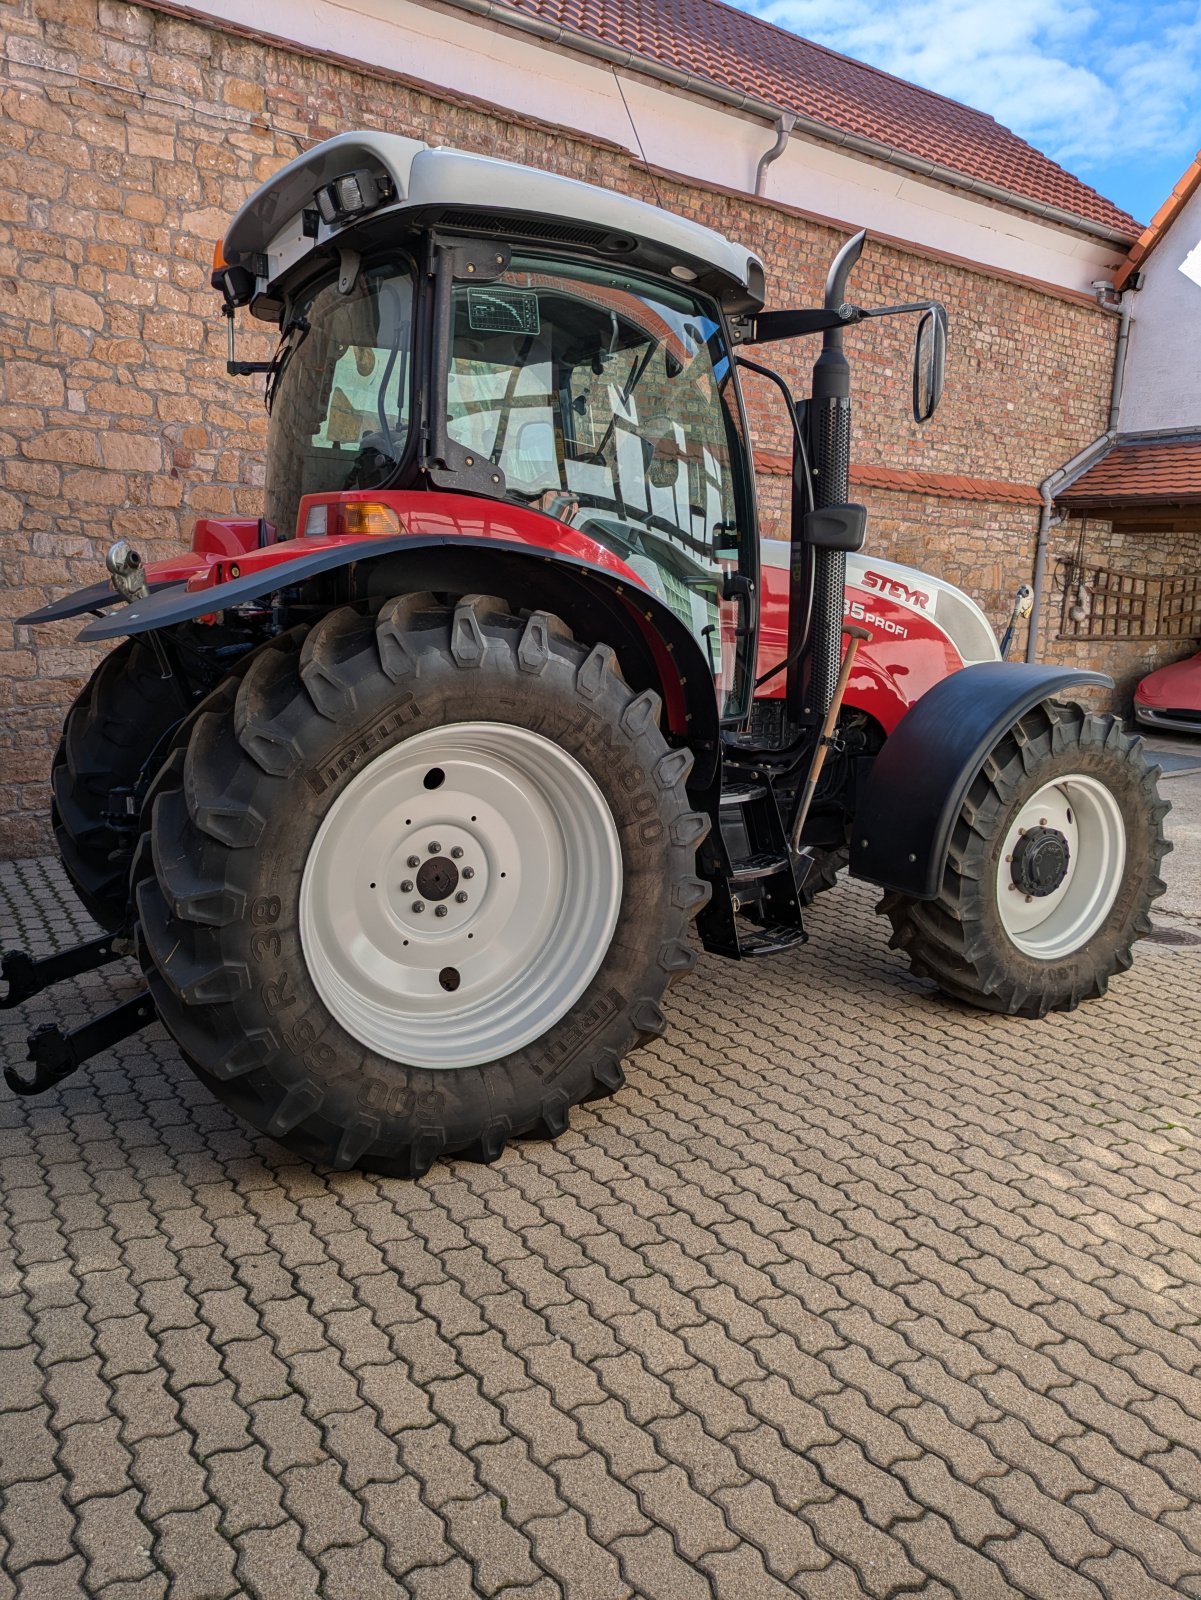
[(921, 777), (599, 604)]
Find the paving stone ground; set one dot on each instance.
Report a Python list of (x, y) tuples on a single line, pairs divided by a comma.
[(850, 1292)]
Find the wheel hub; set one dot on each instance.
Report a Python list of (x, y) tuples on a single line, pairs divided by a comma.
[(437, 879), (1060, 866), (1041, 859)]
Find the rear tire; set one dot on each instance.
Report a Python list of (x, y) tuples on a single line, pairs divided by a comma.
[(120, 719), (1027, 925), (275, 936)]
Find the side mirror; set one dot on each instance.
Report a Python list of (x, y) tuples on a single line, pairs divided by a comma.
[(929, 362)]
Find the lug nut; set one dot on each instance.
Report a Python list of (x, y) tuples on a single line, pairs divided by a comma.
[(407, 886), (413, 861), (461, 898), (418, 906), (439, 911), (457, 853), (469, 872), (433, 847)]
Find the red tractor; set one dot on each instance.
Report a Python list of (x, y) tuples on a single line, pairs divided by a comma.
[(410, 790)]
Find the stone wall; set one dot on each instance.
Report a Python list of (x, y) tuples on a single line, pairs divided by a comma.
[(129, 135)]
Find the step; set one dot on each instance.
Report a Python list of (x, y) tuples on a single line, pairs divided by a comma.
[(770, 941), (742, 794), (751, 868)]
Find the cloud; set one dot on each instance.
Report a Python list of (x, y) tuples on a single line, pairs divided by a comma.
[(1082, 82)]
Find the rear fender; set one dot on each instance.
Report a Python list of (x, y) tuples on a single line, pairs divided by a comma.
[(599, 604), (920, 779)]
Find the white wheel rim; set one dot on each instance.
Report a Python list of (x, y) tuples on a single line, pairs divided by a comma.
[(1055, 925), (523, 832)]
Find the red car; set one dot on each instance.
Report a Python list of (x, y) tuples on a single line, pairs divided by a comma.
[(1171, 697)]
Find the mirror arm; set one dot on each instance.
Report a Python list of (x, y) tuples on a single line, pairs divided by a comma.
[(892, 311), (769, 326)]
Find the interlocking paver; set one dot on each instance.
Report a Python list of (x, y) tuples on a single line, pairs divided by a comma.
[(412, 1535), (54, 1582), (499, 1554), (884, 1298), (117, 1545), (583, 1568), (196, 1555), (37, 1523), (287, 1435), (787, 1544), (27, 1447), (318, 1501), (270, 1562), (357, 1571), (245, 1491)]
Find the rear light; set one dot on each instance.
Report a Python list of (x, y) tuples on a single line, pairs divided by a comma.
[(353, 519), (368, 517)]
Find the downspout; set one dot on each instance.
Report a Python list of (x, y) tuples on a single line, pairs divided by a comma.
[(1048, 489), (785, 123), (1119, 361), (1071, 470)]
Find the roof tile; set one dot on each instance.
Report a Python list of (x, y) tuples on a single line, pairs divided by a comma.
[(1159, 224), (1140, 472), (716, 42)]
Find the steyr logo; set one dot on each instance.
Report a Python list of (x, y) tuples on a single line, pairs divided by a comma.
[(896, 590)]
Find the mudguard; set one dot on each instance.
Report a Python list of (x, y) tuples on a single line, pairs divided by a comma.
[(919, 781), (94, 598), (673, 660)]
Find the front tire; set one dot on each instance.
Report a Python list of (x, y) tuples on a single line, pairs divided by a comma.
[(289, 848), (118, 723), (1051, 872)]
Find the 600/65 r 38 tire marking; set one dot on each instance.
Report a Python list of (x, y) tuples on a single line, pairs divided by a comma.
[(1052, 870), (270, 955)]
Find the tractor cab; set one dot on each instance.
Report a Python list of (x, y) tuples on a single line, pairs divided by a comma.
[(509, 346)]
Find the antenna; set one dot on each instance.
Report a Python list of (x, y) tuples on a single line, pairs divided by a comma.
[(638, 139)]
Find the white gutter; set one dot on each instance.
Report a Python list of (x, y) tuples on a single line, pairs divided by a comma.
[(559, 33)]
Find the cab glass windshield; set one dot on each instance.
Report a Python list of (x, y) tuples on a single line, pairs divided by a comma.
[(339, 391), (608, 402)]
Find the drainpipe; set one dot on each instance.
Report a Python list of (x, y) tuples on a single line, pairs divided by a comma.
[(785, 123), (1119, 360), (1062, 476), (1048, 489)]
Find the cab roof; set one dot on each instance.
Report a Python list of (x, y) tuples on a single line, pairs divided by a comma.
[(279, 225)]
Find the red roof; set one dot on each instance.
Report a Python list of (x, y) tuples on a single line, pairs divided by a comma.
[(1141, 472), (748, 55), (1161, 221)]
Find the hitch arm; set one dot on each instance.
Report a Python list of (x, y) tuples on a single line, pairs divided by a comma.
[(56, 1055), (27, 977)]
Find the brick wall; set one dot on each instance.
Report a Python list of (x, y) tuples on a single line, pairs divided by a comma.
[(127, 139)]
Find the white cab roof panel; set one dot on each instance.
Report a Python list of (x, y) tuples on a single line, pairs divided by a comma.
[(426, 178)]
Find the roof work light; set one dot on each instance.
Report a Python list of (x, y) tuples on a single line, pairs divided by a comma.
[(351, 194)]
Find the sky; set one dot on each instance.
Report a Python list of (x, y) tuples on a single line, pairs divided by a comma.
[(1109, 92)]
